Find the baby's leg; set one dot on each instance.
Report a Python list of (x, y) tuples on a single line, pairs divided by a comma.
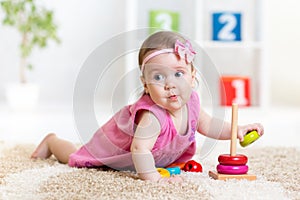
[(51, 144)]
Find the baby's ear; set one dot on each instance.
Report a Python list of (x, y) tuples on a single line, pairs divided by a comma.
[(193, 77), (144, 83), (143, 80)]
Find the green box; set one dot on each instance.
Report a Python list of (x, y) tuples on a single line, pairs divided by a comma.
[(163, 19)]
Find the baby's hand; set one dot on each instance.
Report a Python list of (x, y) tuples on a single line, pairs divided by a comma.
[(243, 130), (171, 179)]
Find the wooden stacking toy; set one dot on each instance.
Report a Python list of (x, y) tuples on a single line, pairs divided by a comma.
[(232, 165)]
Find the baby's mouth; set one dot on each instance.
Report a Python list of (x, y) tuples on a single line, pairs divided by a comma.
[(173, 97)]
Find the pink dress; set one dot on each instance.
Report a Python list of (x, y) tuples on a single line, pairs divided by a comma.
[(110, 145)]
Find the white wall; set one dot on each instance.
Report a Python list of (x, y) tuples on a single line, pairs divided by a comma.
[(284, 58), (83, 25)]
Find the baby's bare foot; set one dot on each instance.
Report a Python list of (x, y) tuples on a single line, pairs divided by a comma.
[(43, 151)]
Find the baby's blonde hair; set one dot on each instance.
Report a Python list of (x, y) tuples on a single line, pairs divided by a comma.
[(157, 41)]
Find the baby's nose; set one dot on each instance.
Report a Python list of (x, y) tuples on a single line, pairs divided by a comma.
[(170, 83)]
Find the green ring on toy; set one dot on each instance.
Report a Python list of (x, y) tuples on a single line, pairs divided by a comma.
[(163, 172), (227, 159), (249, 138)]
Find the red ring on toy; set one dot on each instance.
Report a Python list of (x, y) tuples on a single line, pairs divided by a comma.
[(234, 169), (227, 159)]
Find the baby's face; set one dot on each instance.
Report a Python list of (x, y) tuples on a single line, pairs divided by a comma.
[(169, 81)]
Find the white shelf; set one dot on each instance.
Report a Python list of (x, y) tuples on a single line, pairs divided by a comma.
[(230, 45), (247, 57)]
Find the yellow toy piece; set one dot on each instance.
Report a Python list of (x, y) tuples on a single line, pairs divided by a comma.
[(163, 172), (249, 138)]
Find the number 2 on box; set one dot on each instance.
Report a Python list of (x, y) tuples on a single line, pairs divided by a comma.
[(165, 21), (226, 26), (226, 33)]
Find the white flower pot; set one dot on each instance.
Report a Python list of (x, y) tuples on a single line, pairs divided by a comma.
[(22, 97)]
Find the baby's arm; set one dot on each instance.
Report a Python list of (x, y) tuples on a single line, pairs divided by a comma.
[(221, 130), (144, 139)]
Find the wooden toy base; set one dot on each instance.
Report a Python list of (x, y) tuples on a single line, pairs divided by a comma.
[(217, 176)]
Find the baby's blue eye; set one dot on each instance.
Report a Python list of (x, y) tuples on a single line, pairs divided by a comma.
[(178, 74), (158, 77)]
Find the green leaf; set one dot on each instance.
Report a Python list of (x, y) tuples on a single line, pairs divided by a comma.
[(34, 22), (8, 21), (30, 67)]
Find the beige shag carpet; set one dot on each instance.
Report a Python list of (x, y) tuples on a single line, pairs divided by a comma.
[(277, 171)]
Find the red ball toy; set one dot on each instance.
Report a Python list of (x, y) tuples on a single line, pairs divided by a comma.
[(192, 166)]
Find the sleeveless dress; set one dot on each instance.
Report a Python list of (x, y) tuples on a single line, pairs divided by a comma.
[(110, 145)]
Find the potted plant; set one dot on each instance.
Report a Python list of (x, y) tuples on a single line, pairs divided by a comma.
[(36, 27)]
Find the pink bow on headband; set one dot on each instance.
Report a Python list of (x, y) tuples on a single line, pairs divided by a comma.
[(185, 51)]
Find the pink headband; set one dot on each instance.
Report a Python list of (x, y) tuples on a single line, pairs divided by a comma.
[(184, 51)]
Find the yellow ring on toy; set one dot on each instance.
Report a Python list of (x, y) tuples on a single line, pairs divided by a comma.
[(249, 138), (163, 172)]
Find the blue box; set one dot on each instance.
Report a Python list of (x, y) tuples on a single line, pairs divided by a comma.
[(226, 26)]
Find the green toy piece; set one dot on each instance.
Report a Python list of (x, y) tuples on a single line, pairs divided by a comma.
[(249, 138)]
